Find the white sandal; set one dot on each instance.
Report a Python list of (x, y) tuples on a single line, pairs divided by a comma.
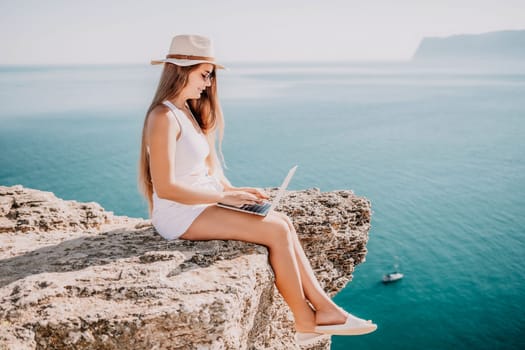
[(352, 326)]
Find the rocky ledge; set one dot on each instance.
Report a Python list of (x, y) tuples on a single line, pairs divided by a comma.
[(73, 276)]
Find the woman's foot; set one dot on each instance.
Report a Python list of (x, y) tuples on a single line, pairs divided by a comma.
[(336, 321), (330, 315), (305, 327), (352, 326), (306, 322)]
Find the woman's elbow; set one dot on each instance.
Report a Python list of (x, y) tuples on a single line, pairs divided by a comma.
[(164, 192)]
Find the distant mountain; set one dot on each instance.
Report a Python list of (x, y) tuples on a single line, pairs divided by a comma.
[(508, 45)]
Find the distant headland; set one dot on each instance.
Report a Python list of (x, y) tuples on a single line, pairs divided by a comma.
[(508, 45)]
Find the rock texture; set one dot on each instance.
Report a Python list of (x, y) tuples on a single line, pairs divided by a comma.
[(28, 210), (73, 276)]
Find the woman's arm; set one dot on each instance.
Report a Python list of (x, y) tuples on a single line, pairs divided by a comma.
[(162, 132), (226, 183)]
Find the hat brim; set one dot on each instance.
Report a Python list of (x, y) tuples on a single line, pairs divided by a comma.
[(186, 63)]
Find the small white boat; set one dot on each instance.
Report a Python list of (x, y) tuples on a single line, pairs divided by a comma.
[(392, 277)]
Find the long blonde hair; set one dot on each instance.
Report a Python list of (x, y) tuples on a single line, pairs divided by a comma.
[(206, 110)]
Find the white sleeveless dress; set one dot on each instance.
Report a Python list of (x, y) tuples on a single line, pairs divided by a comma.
[(171, 219)]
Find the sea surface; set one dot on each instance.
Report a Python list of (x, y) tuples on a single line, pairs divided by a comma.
[(438, 150)]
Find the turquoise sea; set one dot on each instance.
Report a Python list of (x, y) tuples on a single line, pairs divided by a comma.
[(438, 150)]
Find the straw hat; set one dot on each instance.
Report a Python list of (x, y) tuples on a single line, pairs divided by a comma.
[(189, 50)]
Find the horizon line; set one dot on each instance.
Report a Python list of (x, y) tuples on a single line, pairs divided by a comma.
[(234, 62)]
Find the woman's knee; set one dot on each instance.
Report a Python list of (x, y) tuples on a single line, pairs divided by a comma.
[(279, 232), (286, 219)]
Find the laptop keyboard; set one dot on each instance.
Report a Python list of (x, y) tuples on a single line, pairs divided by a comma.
[(256, 208)]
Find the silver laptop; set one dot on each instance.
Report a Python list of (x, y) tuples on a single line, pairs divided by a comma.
[(264, 208)]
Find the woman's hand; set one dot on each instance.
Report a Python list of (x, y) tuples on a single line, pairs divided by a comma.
[(239, 198), (258, 192)]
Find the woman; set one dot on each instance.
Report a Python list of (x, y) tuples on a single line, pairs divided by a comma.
[(182, 178)]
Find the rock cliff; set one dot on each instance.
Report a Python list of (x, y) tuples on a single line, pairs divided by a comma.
[(73, 276)]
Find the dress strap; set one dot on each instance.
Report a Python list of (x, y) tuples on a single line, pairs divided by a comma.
[(172, 107)]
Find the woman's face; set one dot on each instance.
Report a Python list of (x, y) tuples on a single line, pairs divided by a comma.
[(198, 80)]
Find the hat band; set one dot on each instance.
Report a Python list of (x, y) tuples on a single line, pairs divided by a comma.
[(191, 57)]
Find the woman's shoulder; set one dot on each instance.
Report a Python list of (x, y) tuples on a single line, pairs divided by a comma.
[(160, 111), (161, 117)]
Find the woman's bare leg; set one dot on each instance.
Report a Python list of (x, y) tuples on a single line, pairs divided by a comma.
[(327, 312), (271, 231)]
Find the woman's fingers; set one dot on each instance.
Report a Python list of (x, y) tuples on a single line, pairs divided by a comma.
[(251, 198), (250, 195), (239, 198), (247, 196), (262, 194), (258, 192)]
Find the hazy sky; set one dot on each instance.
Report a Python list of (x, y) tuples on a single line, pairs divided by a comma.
[(113, 31)]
